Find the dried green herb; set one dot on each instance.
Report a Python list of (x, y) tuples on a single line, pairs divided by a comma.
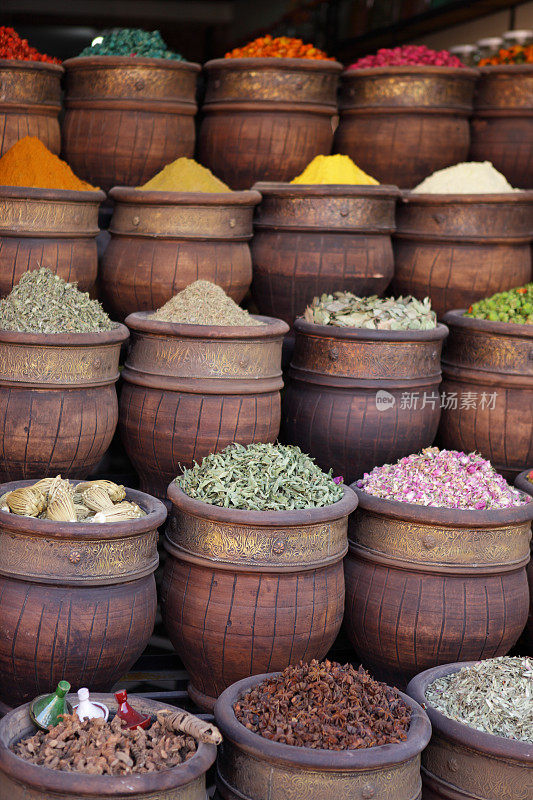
[(260, 477), (204, 303), (494, 696), (42, 302), (346, 310)]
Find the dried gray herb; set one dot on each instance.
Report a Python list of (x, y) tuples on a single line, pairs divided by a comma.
[(260, 477), (346, 310), (204, 303)]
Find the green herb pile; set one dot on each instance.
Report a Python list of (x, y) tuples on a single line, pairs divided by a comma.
[(346, 310), (132, 42), (516, 306), (260, 477)]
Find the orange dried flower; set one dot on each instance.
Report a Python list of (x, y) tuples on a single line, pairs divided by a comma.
[(279, 47)]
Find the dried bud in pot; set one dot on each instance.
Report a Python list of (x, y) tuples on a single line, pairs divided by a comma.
[(26, 501)]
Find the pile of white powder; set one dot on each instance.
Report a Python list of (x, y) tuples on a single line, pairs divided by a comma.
[(470, 177)]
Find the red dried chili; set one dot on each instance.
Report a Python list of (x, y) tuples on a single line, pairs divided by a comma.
[(13, 47)]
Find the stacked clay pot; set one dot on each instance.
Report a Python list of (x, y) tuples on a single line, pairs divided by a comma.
[(523, 483)]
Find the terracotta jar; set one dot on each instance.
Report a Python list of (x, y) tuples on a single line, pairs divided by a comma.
[(190, 390), (358, 398), (456, 249), (400, 124), (126, 118), (248, 591), (163, 241), (78, 599), (488, 389), (426, 586), (58, 401), (22, 779), (461, 761), (314, 239), (253, 767), (265, 119), (30, 102), (525, 485), (53, 228)]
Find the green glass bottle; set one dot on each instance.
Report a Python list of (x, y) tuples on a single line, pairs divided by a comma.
[(46, 709)]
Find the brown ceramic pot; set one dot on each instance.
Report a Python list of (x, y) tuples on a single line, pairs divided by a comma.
[(456, 249), (50, 228), (58, 402), (502, 124), (488, 391), (78, 600), (526, 485), (190, 390), (163, 241), (427, 586), (21, 780), (30, 102), (252, 767), (462, 762), (358, 398), (400, 124), (245, 592), (126, 118), (314, 239), (265, 119)]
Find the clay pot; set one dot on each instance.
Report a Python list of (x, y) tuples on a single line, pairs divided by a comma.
[(190, 390), (441, 241), (22, 779), (314, 239), (249, 591), (400, 124), (253, 767), (461, 761), (78, 599), (57, 401), (358, 398), (526, 486), (488, 388), (502, 124), (427, 586), (30, 102), (163, 241), (265, 119), (51, 228), (126, 118)]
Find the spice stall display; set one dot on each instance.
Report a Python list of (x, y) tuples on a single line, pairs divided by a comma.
[(59, 356), (363, 384), (439, 546), (31, 93), (253, 577), (200, 373), (462, 234), (481, 716), (49, 217), (319, 730)]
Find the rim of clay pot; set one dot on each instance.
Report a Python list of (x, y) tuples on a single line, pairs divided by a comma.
[(522, 482), (240, 516), (68, 195), (337, 332), (439, 515), (327, 189), (507, 198), (458, 732), (50, 529), (79, 784), (456, 317), (490, 69), (117, 335), (149, 197), (13, 63), (384, 755), (129, 61), (416, 69), (284, 64), (140, 321)]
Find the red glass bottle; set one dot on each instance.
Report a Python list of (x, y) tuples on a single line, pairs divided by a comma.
[(131, 717)]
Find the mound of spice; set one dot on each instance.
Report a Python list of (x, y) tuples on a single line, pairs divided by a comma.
[(131, 42), (13, 47), (260, 477), (204, 303), (513, 55), (42, 302), (185, 175), (346, 310), (408, 55), (493, 696), (334, 170), (470, 177), (515, 306), (325, 706), (279, 47), (30, 163), (442, 478)]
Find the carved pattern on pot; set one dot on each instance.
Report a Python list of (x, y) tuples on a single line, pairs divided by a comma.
[(423, 91), (58, 365), (232, 84), (477, 349)]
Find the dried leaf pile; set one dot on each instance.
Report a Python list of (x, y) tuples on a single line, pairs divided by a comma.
[(346, 310), (325, 706), (106, 748)]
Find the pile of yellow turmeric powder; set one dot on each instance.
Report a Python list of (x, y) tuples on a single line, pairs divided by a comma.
[(185, 175), (333, 170), (30, 163)]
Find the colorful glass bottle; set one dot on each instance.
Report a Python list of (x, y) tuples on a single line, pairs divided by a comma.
[(131, 717), (46, 710)]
